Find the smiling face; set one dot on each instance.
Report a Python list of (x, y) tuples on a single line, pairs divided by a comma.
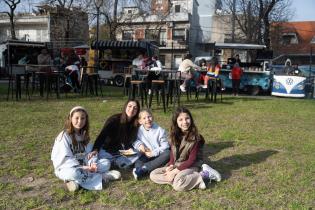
[(146, 119), (131, 109), (78, 120), (183, 121)]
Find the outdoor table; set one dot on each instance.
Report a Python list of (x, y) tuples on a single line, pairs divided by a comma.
[(171, 79)]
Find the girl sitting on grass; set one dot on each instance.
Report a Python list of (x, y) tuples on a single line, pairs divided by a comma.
[(182, 171), (152, 144), (69, 155)]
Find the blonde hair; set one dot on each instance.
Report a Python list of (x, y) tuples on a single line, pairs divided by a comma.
[(145, 111), (68, 127)]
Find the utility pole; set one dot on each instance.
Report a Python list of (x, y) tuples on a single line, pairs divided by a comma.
[(233, 20)]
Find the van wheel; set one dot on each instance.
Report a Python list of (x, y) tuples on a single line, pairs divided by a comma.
[(119, 81), (254, 90)]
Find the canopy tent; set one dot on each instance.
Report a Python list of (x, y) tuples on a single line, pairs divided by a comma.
[(104, 44)]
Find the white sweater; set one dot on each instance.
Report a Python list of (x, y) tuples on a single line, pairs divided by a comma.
[(155, 139), (62, 153)]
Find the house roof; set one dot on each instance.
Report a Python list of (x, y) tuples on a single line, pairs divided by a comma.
[(305, 32)]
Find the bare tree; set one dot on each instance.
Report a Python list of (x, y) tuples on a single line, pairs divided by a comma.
[(12, 4), (253, 17)]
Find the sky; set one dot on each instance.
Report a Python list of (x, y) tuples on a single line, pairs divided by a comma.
[(304, 10)]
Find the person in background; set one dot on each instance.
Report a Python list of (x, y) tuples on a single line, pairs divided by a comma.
[(152, 144), (186, 157), (188, 73), (213, 71), (156, 66), (236, 78), (69, 155), (44, 59)]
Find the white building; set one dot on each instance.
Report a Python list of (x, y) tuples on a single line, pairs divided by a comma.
[(178, 26)]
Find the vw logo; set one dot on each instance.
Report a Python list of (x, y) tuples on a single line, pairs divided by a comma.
[(289, 81)]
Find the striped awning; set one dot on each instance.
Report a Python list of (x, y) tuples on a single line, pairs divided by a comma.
[(105, 44)]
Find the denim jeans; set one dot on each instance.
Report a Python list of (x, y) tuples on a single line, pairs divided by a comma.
[(155, 162)]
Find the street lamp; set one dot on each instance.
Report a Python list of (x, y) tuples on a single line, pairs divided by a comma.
[(98, 4)]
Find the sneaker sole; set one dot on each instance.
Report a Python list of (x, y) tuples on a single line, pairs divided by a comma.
[(212, 171)]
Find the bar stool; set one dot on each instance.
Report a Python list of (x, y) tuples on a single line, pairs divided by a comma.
[(214, 86), (158, 85), (18, 73), (127, 79), (138, 85), (52, 82), (91, 81)]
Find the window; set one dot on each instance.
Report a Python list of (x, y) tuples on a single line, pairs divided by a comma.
[(179, 34), (162, 59), (177, 60), (162, 38), (289, 38), (127, 35), (129, 11), (151, 34), (177, 8)]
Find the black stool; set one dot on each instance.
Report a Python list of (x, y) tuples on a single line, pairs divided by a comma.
[(91, 81), (138, 85), (158, 85), (214, 86)]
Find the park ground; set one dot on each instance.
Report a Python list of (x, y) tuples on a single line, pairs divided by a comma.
[(263, 147)]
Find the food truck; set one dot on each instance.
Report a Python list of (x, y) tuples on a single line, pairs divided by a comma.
[(255, 64), (115, 56)]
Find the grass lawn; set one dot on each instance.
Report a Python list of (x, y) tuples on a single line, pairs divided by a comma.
[(263, 146)]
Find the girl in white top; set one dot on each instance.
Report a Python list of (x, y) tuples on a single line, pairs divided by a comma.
[(70, 155), (152, 144)]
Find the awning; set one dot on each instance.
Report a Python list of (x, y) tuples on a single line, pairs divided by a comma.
[(106, 44), (239, 46)]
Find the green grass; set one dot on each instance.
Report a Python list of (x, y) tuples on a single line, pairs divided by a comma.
[(263, 146)]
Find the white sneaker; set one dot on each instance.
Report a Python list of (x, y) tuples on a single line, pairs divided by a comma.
[(213, 174), (202, 186), (204, 86), (182, 88), (111, 175), (72, 186)]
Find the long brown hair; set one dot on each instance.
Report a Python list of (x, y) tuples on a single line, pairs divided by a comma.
[(128, 128), (68, 127), (176, 134)]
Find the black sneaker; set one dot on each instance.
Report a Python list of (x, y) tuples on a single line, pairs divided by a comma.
[(138, 173)]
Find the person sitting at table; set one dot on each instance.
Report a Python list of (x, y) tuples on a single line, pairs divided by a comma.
[(44, 59), (213, 71), (188, 73), (156, 66)]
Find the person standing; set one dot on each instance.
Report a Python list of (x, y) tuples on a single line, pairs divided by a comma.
[(236, 78)]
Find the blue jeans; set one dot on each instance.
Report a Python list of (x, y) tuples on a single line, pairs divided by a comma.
[(154, 162)]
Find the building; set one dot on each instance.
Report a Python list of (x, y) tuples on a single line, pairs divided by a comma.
[(292, 37), (60, 26), (177, 26)]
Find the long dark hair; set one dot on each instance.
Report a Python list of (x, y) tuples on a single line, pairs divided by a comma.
[(176, 134), (128, 127)]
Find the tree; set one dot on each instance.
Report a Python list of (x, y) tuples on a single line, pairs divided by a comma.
[(12, 4), (253, 17)]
